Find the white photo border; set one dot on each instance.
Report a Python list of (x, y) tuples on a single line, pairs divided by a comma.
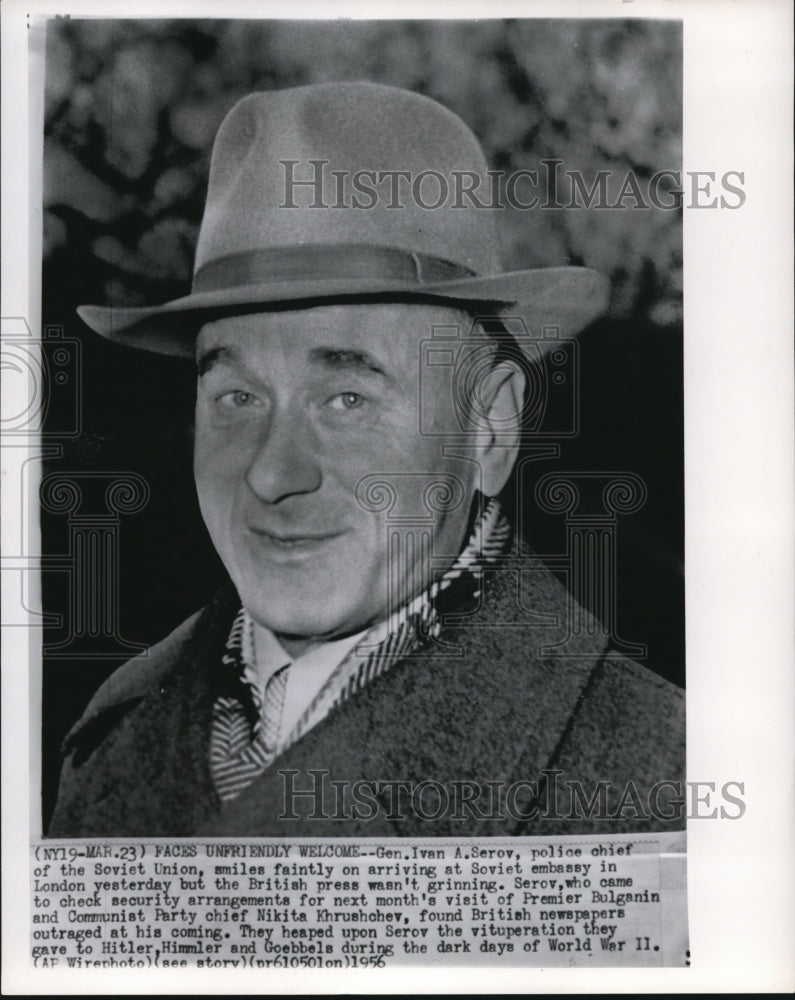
[(739, 510)]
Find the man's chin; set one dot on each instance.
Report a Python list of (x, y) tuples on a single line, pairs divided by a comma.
[(299, 618), (324, 599)]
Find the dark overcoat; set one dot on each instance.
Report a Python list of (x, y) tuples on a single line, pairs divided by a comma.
[(529, 726)]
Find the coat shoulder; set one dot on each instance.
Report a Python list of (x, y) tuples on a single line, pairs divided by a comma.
[(134, 679), (635, 718), (655, 701)]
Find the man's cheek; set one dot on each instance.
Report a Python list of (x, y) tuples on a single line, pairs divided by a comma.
[(217, 463), (216, 493)]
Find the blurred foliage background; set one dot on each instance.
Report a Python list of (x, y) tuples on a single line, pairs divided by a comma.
[(132, 108)]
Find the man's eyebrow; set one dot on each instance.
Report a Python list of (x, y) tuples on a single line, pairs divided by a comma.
[(207, 359), (344, 358)]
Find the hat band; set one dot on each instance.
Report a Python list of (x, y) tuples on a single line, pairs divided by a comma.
[(318, 262)]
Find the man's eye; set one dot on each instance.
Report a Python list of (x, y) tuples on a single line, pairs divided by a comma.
[(238, 399), (347, 401)]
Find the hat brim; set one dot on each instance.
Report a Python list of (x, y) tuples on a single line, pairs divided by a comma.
[(568, 298)]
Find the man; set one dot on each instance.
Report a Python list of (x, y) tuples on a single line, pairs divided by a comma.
[(383, 660)]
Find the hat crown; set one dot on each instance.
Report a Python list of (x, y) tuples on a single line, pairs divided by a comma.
[(342, 190), (318, 166)]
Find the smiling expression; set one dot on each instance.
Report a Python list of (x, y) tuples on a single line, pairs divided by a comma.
[(293, 409)]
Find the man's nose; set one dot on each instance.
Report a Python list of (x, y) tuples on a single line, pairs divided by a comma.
[(284, 463)]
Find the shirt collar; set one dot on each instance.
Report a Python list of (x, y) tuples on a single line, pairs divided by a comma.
[(265, 654)]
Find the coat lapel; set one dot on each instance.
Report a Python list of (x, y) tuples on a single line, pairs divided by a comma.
[(150, 774)]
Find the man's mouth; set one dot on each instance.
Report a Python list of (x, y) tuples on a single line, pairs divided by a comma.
[(292, 541)]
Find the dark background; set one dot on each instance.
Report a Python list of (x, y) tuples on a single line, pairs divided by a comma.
[(131, 112)]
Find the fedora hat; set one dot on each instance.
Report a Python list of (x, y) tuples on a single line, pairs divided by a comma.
[(305, 204)]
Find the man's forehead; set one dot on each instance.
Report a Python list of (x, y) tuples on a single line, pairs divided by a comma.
[(379, 327)]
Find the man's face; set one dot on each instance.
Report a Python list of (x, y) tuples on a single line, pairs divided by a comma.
[(293, 409)]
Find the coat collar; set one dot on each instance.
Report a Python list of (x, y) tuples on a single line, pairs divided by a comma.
[(489, 701)]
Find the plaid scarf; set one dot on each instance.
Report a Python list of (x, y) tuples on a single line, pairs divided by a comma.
[(242, 746)]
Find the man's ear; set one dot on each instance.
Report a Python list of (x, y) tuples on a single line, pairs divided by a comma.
[(499, 417)]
